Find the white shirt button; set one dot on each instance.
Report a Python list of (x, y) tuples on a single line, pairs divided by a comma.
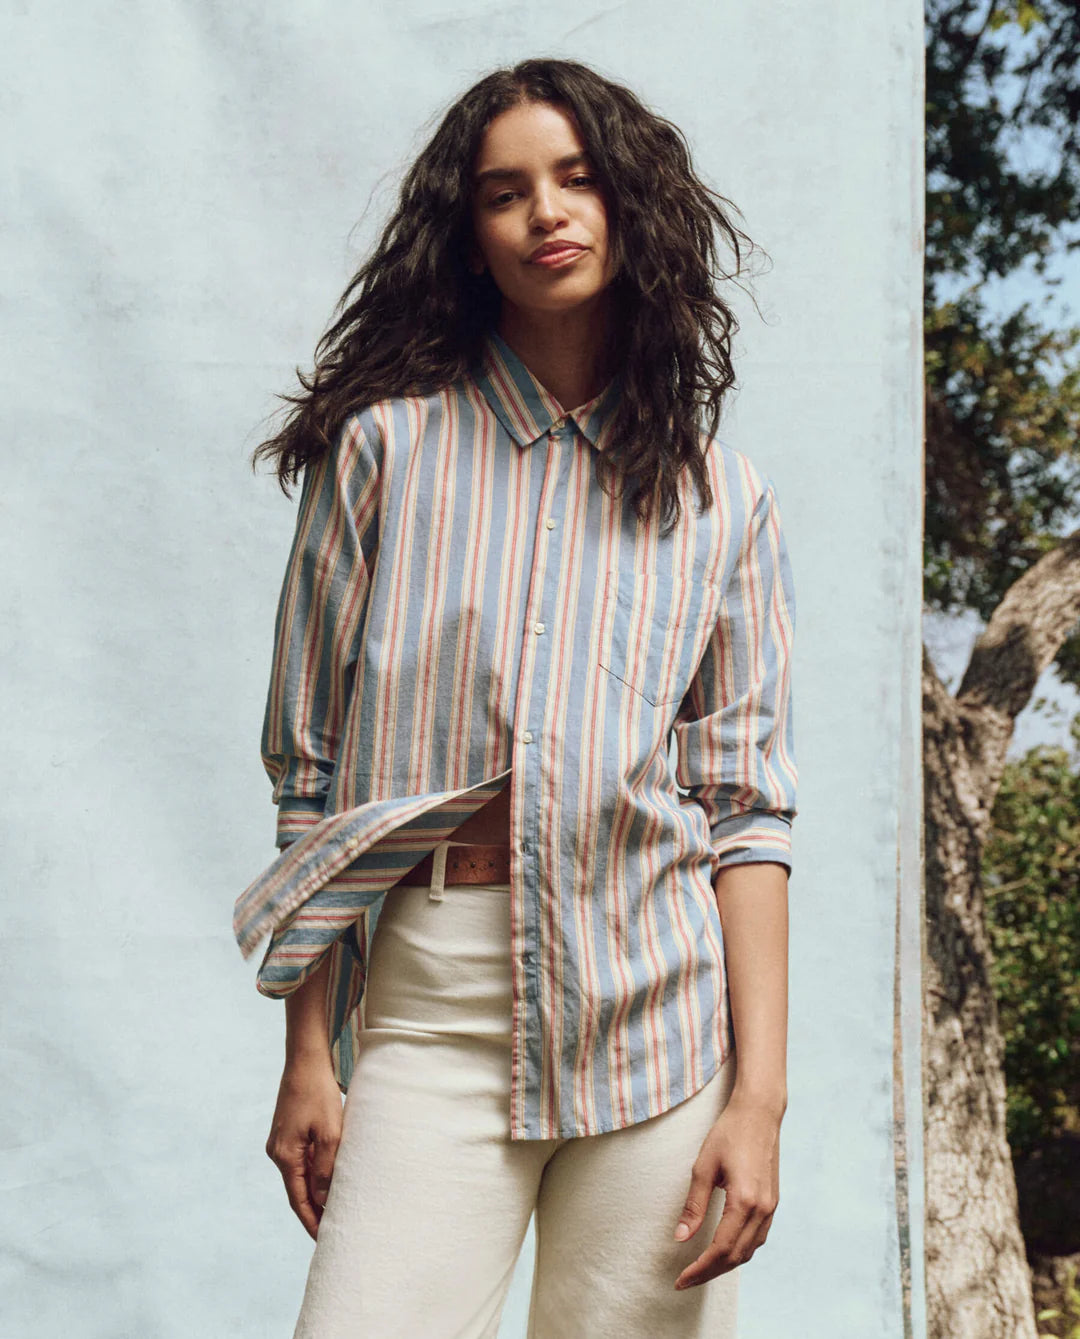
[(550, 523), (539, 627), (527, 736)]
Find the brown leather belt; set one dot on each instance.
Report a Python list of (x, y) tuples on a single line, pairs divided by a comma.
[(474, 863)]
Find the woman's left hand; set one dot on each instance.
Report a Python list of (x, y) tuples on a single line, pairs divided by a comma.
[(741, 1152)]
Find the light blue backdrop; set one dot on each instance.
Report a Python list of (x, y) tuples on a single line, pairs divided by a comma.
[(182, 186)]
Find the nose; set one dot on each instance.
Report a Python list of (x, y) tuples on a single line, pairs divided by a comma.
[(548, 210)]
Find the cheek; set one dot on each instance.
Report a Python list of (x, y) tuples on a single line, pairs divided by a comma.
[(599, 225), (495, 240), (486, 233), (503, 256)]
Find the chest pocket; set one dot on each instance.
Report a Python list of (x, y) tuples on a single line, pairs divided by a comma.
[(655, 620)]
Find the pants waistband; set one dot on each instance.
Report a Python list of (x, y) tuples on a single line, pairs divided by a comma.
[(473, 863)]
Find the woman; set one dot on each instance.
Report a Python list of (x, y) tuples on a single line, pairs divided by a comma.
[(523, 563)]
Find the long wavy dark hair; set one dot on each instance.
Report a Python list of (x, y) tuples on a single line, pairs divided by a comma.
[(413, 318)]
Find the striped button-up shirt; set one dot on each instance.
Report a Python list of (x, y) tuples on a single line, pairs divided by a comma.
[(465, 608)]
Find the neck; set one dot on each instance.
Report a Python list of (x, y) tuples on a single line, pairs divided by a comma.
[(569, 353)]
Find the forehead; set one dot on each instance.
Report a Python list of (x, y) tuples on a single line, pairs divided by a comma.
[(529, 136)]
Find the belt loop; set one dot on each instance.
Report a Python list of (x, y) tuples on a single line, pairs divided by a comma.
[(438, 873)]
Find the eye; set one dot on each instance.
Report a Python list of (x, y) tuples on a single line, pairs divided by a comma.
[(584, 177), (503, 197)]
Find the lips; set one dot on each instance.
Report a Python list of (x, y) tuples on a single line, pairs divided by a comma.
[(553, 249)]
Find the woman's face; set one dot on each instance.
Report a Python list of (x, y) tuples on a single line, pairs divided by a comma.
[(534, 186)]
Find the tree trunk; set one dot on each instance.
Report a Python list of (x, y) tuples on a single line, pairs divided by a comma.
[(977, 1276)]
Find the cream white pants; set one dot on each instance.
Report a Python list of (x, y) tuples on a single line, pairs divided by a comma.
[(430, 1199)]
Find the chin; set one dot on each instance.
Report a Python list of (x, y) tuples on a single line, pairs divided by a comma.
[(566, 300)]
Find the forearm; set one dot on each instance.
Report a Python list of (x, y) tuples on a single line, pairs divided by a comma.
[(306, 1037), (752, 900)]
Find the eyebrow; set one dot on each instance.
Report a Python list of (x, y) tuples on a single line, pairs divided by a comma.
[(510, 173)]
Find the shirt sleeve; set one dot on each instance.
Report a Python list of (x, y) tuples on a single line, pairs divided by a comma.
[(735, 730), (318, 627)]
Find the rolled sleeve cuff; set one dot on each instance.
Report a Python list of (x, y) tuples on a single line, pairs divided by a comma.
[(756, 835), (295, 817)]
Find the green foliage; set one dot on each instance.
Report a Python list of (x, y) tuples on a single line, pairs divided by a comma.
[(1002, 395), (1002, 460), (1023, 13), (1031, 873), (1002, 489), (997, 83), (1070, 1313)]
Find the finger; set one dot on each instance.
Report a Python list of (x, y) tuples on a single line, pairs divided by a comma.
[(760, 1236), (719, 1255), (748, 1240), (696, 1204), (756, 1229), (322, 1167), (294, 1174)]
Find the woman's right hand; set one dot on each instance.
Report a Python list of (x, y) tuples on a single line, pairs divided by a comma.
[(305, 1134)]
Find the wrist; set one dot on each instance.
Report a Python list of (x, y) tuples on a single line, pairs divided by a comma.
[(307, 1052), (770, 1098)]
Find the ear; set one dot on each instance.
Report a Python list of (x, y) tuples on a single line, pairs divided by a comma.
[(476, 260)]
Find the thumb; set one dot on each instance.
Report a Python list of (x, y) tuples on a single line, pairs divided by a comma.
[(697, 1201), (322, 1167)]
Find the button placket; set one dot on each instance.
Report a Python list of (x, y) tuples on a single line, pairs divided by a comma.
[(536, 671), (554, 434)]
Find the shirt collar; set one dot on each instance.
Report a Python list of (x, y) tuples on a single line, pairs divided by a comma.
[(527, 410)]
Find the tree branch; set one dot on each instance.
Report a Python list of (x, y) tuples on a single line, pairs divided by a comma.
[(1038, 612)]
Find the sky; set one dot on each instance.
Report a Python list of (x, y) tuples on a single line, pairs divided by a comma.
[(950, 638)]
